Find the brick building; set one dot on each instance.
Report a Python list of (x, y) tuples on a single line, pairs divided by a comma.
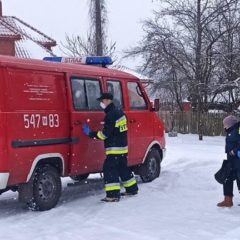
[(17, 38)]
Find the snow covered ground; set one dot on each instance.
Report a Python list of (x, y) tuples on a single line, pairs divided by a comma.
[(180, 205)]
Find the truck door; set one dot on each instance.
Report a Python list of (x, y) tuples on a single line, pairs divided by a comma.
[(140, 123), (87, 155)]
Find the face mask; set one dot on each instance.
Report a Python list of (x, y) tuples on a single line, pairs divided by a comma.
[(102, 105)]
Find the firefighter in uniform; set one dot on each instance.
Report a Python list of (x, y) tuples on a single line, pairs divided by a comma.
[(114, 135)]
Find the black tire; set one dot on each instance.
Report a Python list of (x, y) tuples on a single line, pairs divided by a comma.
[(152, 166), (80, 177), (47, 188)]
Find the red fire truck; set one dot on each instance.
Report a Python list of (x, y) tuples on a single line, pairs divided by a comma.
[(43, 105)]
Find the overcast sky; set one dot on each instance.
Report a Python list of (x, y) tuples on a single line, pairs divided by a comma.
[(59, 17)]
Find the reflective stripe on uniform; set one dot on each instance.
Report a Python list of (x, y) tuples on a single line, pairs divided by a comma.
[(112, 186), (130, 182), (121, 123), (100, 135), (116, 150)]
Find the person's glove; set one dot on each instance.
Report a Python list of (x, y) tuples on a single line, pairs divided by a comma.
[(86, 129)]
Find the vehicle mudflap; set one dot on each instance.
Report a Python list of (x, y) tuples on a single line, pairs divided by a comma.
[(25, 192)]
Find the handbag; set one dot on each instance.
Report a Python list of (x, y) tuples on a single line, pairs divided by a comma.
[(223, 173)]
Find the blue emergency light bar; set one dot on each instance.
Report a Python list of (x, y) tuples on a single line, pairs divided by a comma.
[(53, 59), (95, 60), (99, 60)]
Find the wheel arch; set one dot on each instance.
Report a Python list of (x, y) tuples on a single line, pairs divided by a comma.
[(156, 145), (54, 159)]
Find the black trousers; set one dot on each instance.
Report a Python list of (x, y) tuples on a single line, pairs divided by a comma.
[(115, 167), (228, 186)]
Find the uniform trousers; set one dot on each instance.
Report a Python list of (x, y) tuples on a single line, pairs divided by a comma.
[(115, 168)]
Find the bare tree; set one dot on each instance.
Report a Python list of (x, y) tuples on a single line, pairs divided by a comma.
[(77, 46), (98, 18), (228, 52), (186, 51), (95, 42)]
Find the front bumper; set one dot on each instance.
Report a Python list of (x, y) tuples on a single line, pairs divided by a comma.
[(3, 180)]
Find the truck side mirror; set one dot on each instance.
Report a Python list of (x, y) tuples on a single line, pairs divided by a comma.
[(156, 106)]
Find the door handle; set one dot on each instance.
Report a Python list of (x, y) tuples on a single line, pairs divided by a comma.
[(77, 123), (133, 121)]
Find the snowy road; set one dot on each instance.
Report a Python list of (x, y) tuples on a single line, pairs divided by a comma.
[(180, 205)]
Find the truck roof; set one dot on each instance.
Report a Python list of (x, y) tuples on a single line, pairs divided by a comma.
[(72, 68)]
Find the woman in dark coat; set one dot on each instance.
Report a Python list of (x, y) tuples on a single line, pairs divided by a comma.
[(232, 149)]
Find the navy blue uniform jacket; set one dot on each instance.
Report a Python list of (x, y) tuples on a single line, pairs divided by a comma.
[(233, 144)]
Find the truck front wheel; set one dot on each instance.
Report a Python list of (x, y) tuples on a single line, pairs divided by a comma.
[(47, 188), (152, 166)]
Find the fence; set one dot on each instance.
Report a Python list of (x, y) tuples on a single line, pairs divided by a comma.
[(187, 122)]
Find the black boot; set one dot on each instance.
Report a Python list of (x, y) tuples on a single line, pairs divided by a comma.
[(129, 193), (110, 199)]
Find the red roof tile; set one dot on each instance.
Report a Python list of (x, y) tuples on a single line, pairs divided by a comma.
[(15, 28)]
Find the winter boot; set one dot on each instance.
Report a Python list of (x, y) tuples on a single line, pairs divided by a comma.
[(123, 194), (110, 199), (227, 202)]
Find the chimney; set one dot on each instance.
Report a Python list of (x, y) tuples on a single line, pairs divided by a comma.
[(0, 8)]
